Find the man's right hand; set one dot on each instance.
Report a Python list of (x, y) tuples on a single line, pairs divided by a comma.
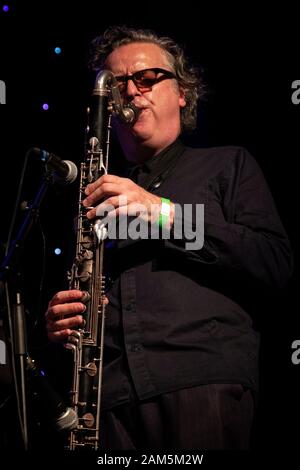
[(64, 314)]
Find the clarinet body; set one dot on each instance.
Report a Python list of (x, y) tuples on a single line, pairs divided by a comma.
[(87, 275)]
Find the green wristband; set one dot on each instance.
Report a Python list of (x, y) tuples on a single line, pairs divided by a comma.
[(165, 210)]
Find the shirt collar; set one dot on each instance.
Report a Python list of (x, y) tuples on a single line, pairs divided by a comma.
[(157, 161), (162, 156)]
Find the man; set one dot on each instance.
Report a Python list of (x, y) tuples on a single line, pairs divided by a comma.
[(181, 353)]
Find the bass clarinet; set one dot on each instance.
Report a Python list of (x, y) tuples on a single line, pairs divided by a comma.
[(87, 343)]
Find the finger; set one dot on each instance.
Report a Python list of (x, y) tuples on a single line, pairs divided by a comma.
[(53, 313), (103, 179), (59, 325), (59, 336), (107, 206), (133, 209), (66, 296), (106, 186), (104, 191)]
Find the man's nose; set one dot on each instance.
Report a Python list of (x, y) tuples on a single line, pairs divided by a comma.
[(132, 89)]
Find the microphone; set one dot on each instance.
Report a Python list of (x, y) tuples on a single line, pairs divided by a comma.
[(64, 171), (61, 417)]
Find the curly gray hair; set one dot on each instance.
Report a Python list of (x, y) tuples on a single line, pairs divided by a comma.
[(188, 77)]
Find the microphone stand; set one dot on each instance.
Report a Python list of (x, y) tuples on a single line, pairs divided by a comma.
[(20, 346), (16, 246), (9, 271)]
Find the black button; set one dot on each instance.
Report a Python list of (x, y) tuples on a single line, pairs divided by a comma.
[(128, 307)]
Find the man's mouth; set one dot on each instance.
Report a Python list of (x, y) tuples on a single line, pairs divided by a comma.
[(143, 113)]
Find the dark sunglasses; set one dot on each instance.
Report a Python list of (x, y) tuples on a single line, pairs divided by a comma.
[(144, 79)]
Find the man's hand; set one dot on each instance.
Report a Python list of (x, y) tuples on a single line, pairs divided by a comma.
[(64, 314), (125, 196)]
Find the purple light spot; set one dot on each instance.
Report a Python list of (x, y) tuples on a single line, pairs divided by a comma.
[(5, 8), (45, 107)]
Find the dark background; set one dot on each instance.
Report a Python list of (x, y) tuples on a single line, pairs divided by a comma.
[(249, 60)]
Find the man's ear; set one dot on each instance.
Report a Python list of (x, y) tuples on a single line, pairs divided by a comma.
[(182, 100)]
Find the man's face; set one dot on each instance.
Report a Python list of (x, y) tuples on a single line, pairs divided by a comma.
[(159, 122)]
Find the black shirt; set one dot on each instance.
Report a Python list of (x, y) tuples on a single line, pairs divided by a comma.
[(182, 317)]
